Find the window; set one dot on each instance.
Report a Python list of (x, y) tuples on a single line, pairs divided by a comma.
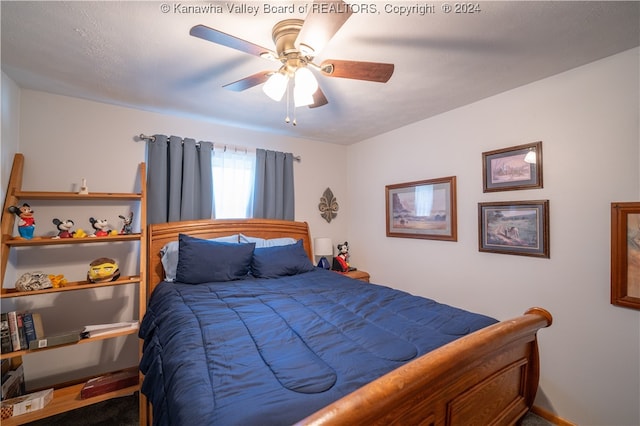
[(233, 176)]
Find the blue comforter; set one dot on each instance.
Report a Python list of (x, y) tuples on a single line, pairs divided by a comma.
[(273, 351)]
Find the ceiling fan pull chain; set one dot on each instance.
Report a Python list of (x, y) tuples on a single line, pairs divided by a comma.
[(295, 123), (287, 119)]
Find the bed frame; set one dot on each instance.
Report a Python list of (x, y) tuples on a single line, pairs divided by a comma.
[(489, 377)]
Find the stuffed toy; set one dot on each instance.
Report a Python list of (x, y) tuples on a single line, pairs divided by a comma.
[(102, 270), (27, 223), (341, 261)]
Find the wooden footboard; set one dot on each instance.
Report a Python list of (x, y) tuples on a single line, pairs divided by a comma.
[(489, 377)]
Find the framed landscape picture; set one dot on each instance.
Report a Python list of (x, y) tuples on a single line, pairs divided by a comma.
[(508, 169), (422, 209), (514, 227), (625, 254)]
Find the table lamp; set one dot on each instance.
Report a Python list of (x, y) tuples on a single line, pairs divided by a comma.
[(323, 247)]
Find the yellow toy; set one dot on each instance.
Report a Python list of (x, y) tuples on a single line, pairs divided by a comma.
[(79, 233), (102, 270), (57, 280)]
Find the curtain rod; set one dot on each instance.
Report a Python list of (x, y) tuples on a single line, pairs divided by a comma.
[(153, 139)]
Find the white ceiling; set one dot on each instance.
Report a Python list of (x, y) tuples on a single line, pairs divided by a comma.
[(133, 54)]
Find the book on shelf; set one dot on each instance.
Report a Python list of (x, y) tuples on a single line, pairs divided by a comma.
[(55, 340), (98, 330), (26, 403), (21, 332), (5, 335), (12, 318), (33, 326), (110, 382)]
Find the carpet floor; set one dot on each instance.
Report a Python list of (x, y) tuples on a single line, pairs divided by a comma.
[(123, 411)]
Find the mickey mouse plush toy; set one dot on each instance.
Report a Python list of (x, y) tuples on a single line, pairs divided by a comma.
[(27, 223), (340, 262)]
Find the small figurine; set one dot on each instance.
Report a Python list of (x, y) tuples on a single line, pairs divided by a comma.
[(57, 280), (102, 270), (64, 228), (341, 261), (84, 190), (27, 223), (101, 227), (80, 233), (126, 227)]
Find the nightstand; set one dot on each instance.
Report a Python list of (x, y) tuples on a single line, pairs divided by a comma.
[(358, 275)]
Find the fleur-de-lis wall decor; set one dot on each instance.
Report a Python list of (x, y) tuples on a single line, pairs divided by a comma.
[(328, 205)]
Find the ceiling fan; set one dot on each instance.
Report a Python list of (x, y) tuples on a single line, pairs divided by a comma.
[(297, 42)]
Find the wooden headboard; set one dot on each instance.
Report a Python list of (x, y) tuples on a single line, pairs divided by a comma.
[(162, 233)]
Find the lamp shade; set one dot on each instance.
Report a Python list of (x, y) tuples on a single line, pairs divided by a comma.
[(306, 81), (275, 86), (305, 85), (323, 246)]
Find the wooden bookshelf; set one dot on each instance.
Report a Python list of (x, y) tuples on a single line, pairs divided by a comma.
[(67, 395)]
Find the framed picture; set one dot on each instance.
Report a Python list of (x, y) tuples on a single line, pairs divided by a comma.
[(508, 169), (625, 254), (423, 209), (514, 227)]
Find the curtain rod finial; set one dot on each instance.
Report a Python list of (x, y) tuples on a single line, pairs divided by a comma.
[(144, 137)]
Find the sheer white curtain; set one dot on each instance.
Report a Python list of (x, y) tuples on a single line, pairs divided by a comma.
[(233, 178)]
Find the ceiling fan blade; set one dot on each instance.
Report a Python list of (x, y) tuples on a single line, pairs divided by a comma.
[(322, 22), (224, 39), (319, 99), (357, 70), (249, 82)]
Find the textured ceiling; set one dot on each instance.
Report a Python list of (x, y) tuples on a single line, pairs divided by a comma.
[(140, 55)]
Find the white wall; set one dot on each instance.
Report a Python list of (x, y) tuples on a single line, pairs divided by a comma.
[(587, 119), (65, 139)]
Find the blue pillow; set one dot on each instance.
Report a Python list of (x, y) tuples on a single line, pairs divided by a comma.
[(278, 261), (169, 255), (202, 261)]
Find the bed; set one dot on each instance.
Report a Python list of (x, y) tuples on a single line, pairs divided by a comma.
[(292, 344)]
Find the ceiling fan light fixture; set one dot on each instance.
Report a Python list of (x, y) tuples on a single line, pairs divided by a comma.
[(275, 86), (305, 81)]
